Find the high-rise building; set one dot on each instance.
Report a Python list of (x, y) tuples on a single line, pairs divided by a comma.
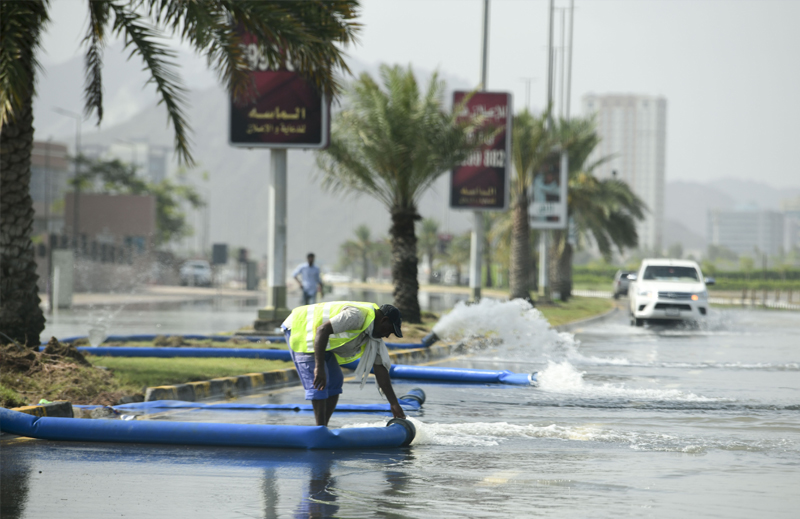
[(747, 232), (633, 132)]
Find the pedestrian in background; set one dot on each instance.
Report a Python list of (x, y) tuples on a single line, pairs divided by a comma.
[(308, 277)]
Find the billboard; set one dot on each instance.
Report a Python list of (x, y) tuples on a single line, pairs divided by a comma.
[(481, 182), (286, 112), (548, 193)]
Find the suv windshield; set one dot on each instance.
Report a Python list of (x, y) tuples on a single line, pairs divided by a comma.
[(667, 273)]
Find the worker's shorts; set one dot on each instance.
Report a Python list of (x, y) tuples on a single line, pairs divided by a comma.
[(305, 364)]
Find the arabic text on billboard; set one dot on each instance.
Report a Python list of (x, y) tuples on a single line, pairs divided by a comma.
[(481, 181), (286, 112)]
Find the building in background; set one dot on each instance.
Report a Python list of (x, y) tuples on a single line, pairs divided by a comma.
[(50, 171), (113, 224), (151, 161), (747, 232), (633, 131), (791, 212)]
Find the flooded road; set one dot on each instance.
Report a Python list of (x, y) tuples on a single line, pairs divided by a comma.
[(626, 422)]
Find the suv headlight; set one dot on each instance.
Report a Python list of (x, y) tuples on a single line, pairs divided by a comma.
[(645, 293), (700, 295)]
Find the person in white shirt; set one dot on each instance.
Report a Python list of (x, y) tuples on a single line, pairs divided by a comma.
[(307, 276)]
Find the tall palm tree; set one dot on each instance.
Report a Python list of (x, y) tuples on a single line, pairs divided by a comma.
[(429, 241), (530, 145), (604, 211), (300, 34), (392, 142)]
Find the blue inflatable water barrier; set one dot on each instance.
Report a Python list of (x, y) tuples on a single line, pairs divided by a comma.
[(412, 401), (143, 337), (167, 352), (397, 433), (225, 338), (462, 375)]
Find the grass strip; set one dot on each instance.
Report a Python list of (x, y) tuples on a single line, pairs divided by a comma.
[(575, 309), (139, 372)]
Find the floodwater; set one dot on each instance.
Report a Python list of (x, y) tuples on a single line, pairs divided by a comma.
[(205, 315), (626, 422)]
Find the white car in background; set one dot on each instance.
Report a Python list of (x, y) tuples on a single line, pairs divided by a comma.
[(668, 290), (196, 273)]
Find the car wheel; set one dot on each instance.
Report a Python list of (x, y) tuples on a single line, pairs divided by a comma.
[(639, 322), (616, 295)]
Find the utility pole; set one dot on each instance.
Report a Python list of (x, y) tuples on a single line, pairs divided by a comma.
[(276, 310), (544, 275), (476, 241), (528, 81), (562, 53), (569, 58)]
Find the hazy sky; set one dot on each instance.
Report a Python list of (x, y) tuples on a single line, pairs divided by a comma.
[(727, 68)]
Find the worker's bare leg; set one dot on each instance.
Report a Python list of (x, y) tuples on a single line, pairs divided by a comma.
[(323, 409)]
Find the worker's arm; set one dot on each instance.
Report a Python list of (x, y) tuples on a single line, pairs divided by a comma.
[(299, 281), (385, 383), (320, 343)]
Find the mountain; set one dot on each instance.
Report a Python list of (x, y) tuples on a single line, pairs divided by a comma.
[(238, 179)]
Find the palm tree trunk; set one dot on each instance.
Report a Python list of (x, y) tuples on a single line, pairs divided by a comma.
[(21, 318), (430, 266), (404, 263), (487, 249), (520, 269), (561, 266), (364, 267)]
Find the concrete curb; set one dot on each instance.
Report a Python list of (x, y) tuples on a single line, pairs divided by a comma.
[(55, 409), (232, 386), (223, 387), (568, 327)]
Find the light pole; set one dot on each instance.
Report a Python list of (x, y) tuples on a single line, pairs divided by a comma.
[(76, 205), (476, 241)]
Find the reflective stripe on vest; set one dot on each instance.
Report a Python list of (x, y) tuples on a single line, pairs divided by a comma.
[(308, 318)]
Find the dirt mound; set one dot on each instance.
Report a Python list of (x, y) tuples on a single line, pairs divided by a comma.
[(65, 350), (16, 360), (174, 341), (58, 373)]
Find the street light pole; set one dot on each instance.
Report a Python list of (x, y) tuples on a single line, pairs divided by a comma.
[(76, 203), (544, 274), (569, 57), (476, 238)]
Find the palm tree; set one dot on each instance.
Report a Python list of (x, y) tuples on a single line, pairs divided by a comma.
[(530, 145), (300, 34), (605, 211), (358, 251), (392, 143), (458, 253), (429, 241)]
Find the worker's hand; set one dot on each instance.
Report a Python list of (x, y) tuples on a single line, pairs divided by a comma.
[(320, 380), (397, 411)]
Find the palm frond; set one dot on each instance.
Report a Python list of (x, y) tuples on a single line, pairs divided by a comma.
[(21, 24), (141, 39), (99, 15)]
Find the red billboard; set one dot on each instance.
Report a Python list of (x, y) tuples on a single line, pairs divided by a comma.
[(286, 112), (481, 181)]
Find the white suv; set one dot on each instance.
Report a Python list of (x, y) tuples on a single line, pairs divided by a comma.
[(668, 289)]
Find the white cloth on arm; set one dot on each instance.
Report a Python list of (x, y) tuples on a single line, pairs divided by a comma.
[(375, 351)]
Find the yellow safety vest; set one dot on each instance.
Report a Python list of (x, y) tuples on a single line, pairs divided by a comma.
[(306, 319)]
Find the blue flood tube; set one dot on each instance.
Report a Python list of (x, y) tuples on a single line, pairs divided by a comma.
[(152, 336), (457, 375), (165, 352), (462, 375), (397, 433)]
